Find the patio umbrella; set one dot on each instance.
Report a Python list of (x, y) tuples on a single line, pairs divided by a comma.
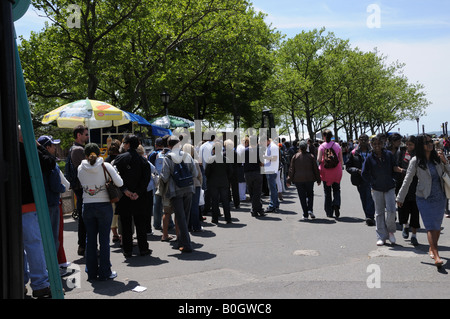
[(137, 119), (171, 121), (92, 113)]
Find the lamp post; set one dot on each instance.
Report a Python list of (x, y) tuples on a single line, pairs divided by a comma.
[(267, 120), (302, 121), (418, 132), (165, 98)]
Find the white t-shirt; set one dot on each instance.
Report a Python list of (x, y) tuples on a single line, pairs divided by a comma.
[(272, 165)]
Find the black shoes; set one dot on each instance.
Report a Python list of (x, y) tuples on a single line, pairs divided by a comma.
[(258, 214), (337, 213), (146, 252), (42, 293)]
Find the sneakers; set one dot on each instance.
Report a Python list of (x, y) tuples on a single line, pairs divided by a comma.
[(63, 271), (380, 242), (370, 222), (414, 241), (270, 210), (405, 232), (112, 276), (392, 238), (310, 213)]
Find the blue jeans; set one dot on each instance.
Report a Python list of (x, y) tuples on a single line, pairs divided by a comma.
[(273, 189), (35, 266), (194, 218), (365, 193), (54, 221), (385, 209), (97, 219)]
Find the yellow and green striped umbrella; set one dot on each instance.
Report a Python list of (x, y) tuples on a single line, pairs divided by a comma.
[(92, 113)]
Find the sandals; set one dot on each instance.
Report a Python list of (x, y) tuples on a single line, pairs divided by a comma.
[(439, 263), (169, 238)]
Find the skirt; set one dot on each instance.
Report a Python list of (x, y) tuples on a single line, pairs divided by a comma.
[(432, 209)]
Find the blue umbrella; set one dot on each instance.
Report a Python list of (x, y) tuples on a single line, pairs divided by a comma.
[(156, 130)]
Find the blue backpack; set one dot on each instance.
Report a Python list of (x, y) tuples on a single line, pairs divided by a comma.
[(182, 174)]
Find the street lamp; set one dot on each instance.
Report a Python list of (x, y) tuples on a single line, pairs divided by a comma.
[(418, 132), (267, 120), (165, 98), (302, 121)]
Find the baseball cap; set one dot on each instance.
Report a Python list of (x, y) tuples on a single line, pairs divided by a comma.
[(45, 140)]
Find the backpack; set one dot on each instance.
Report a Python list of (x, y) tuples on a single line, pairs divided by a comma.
[(159, 161), (71, 173), (331, 160), (182, 175)]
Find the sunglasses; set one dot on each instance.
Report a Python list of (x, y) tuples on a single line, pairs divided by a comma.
[(428, 142)]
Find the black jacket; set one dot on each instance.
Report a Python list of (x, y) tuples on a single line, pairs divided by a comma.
[(134, 170), (47, 164), (218, 174), (354, 163)]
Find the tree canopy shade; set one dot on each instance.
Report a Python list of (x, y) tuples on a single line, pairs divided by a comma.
[(219, 61), (205, 53)]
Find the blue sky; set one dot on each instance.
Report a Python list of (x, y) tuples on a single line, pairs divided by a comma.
[(414, 32)]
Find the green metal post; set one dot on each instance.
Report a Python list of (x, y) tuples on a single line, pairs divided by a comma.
[(37, 182)]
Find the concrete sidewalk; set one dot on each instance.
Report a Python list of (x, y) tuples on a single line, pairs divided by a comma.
[(278, 256)]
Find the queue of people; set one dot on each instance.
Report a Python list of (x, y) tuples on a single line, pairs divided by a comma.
[(178, 185)]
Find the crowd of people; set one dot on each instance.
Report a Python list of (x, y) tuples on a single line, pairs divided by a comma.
[(178, 184)]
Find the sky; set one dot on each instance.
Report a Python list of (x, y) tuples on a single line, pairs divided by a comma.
[(413, 32)]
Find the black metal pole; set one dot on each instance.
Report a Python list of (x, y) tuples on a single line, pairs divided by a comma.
[(10, 202)]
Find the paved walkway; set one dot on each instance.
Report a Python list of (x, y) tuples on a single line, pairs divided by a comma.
[(279, 256)]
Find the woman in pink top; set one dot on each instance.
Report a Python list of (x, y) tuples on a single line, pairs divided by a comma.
[(331, 177)]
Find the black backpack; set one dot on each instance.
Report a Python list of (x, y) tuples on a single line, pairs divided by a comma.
[(182, 174), (71, 173), (331, 160)]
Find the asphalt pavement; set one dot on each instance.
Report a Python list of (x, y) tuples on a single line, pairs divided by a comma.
[(279, 256)]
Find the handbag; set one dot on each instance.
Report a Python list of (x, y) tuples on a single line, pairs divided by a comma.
[(446, 179), (114, 192)]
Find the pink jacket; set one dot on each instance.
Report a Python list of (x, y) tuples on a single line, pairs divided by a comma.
[(330, 175)]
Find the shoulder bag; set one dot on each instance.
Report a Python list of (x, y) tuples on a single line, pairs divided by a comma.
[(114, 192), (446, 179)]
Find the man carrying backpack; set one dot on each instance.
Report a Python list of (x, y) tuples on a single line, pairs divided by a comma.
[(76, 155), (177, 172), (330, 161)]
